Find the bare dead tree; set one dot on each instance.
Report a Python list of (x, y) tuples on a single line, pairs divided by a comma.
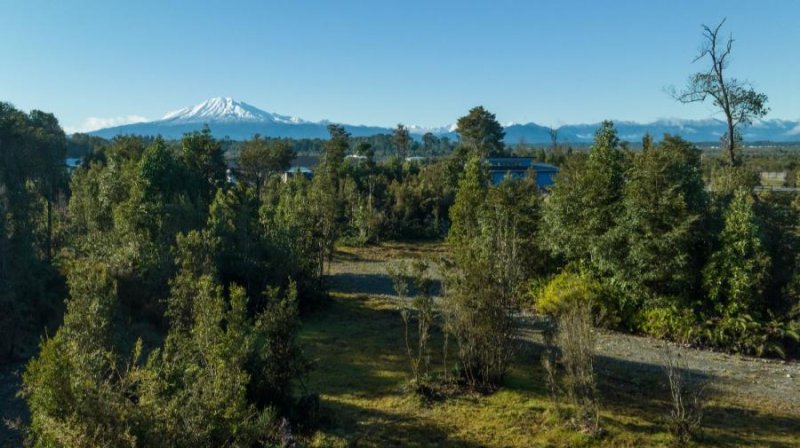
[(687, 396), (404, 274), (576, 340), (736, 98)]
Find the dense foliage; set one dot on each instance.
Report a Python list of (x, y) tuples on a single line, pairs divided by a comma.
[(677, 257), (184, 299), (32, 190)]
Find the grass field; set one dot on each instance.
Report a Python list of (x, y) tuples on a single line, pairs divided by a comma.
[(360, 373)]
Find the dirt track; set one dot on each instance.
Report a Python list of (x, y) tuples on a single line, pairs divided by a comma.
[(745, 381)]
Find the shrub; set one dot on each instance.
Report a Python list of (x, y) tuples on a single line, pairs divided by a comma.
[(744, 334), (404, 275), (479, 309), (565, 291), (76, 390), (576, 339), (668, 322), (569, 289)]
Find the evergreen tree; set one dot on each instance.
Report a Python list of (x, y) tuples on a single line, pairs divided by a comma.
[(242, 256), (586, 204), (32, 177), (261, 158), (196, 386), (76, 389), (365, 149), (480, 132), (402, 141), (469, 199), (495, 252), (204, 157), (663, 220), (335, 150), (737, 272)]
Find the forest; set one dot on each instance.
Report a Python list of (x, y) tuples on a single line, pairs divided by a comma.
[(157, 302)]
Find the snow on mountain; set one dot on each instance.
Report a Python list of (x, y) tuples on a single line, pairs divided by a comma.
[(226, 110), (422, 130), (238, 120)]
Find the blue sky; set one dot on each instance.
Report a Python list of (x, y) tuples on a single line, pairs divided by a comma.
[(382, 62)]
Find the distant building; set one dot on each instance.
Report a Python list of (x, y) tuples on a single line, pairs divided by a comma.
[(415, 159), (304, 171), (518, 167)]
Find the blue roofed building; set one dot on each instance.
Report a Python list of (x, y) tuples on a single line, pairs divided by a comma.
[(518, 167)]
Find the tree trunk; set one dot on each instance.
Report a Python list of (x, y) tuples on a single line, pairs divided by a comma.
[(49, 199), (731, 143)]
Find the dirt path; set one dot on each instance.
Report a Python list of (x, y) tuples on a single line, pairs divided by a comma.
[(744, 381)]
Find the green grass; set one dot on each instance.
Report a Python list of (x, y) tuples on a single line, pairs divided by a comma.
[(361, 374)]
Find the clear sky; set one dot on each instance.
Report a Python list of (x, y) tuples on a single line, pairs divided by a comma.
[(383, 62)]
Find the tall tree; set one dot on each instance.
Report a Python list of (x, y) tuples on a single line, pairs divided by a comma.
[(50, 146), (553, 133), (402, 141), (663, 219), (261, 158), (736, 98), (32, 149), (469, 199), (326, 195), (480, 131), (586, 203), (737, 272), (335, 149), (429, 142), (486, 241), (364, 149), (204, 157)]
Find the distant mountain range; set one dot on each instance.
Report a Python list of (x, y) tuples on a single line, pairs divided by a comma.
[(238, 120)]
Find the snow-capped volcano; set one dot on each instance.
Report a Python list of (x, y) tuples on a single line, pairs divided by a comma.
[(226, 110)]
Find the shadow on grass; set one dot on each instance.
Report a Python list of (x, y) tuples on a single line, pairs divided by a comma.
[(361, 367), (373, 284), (350, 283), (640, 390), (369, 427), (359, 353), (356, 349), (733, 426)]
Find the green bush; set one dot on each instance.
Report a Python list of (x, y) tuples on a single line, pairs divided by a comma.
[(744, 334), (565, 291), (612, 306), (668, 322)]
